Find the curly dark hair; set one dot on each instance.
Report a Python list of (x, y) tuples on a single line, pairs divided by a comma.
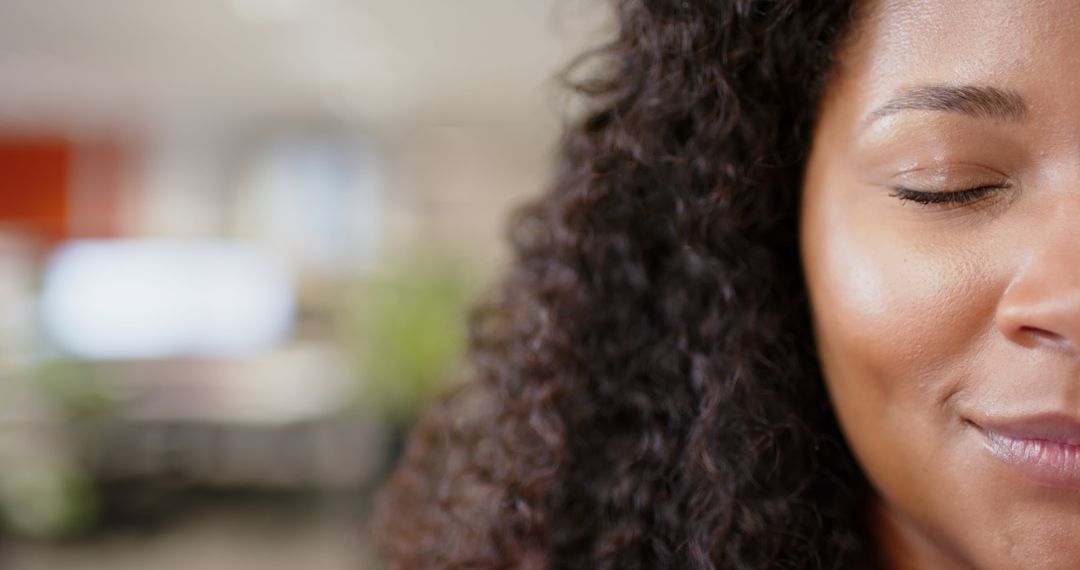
[(647, 391)]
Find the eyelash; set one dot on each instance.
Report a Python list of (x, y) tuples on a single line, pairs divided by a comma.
[(957, 197)]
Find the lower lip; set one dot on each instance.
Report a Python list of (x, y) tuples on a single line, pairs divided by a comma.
[(1048, 463)]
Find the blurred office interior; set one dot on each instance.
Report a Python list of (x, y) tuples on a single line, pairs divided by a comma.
[(237, 242)]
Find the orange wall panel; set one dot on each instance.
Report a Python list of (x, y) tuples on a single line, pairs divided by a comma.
[(34, 180)]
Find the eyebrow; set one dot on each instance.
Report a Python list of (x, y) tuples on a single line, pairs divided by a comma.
[(977, 101)]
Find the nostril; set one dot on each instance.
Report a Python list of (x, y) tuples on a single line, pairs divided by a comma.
[(1042, 307), (1042, 335)]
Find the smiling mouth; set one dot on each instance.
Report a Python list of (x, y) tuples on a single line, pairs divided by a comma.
[(1043, 449)]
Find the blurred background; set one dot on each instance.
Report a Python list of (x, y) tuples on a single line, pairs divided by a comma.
[(237, 242)]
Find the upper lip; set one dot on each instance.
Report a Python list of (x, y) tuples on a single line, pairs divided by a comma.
[(1052, 427)]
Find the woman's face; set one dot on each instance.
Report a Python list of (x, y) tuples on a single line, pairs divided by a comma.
[(941, 244)]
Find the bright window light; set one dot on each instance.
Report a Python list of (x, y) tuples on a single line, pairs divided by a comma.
[(119, 299)]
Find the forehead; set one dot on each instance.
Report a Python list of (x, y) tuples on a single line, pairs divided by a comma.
[(1030, 46)]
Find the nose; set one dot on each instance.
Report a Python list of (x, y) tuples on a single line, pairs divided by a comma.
[(1041, 306)]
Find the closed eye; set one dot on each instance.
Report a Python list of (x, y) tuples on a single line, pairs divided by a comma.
[(951, 197)]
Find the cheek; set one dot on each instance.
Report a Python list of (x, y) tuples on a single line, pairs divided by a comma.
[(898, 317), (900, 320), (899, 324)]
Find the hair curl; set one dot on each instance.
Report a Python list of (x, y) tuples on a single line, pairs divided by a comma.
[(647, 391)]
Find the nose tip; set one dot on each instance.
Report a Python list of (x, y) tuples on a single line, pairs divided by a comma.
[(1042, 307), (1041, 304)]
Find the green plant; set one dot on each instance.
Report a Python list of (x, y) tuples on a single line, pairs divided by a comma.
[(406, 332)]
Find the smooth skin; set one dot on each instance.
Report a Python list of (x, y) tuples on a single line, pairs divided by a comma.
[(933, 317)]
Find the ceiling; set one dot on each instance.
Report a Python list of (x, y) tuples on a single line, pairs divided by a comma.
[(136, 62)]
